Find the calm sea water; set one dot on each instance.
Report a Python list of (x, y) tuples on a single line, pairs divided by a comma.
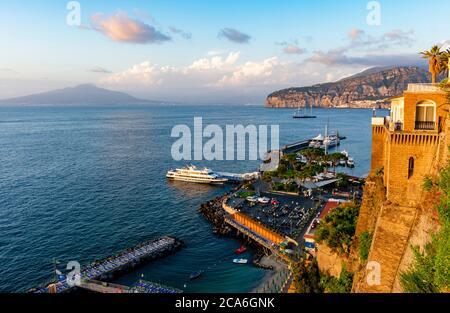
[(84, 183)]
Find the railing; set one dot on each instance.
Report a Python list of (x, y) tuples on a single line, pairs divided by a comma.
[(425, 125), (378, 121), (423, 88)]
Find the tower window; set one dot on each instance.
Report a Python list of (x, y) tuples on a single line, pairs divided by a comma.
[(410, 167)]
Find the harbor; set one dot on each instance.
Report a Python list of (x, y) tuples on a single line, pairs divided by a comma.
[(121, 200)]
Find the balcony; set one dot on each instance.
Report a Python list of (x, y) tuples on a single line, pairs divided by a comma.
[(388, 123), (425, 125), (424, 88)]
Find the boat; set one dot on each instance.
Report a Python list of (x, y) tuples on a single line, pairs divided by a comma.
[(194, 175), (331, 141), (241, 250), (316, 142), (240, 261), (302, 159), (351, 162), (299, 114), (195, 275)]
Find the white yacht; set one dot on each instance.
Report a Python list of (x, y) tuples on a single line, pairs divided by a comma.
[(194, 175)]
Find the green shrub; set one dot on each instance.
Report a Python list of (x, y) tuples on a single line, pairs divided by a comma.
[(365, 241), (245, 194), (430, 271), (307, 277), (427, 183), (338, 227), (343, 284)]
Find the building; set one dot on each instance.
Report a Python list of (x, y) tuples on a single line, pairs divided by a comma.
[(410, 141), (407, 146)]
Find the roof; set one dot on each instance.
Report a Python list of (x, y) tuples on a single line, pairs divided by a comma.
[(331, 204), (314, 185), (395, 98)]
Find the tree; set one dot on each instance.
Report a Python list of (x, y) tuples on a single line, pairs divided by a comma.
[(343, 284), (338, 227), (307, 277), (444, 59), (435, 57)]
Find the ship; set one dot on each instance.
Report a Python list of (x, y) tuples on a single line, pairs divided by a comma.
[(299, 114), (194, 175)]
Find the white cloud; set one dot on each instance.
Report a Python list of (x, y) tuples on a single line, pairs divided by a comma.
[(251, 72)]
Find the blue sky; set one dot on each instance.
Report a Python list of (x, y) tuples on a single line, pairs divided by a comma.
[(208, 51)]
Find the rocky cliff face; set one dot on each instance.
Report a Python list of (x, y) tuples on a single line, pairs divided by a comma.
[(368, 89)]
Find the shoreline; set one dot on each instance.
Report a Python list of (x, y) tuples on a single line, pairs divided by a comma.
[(278, 267)]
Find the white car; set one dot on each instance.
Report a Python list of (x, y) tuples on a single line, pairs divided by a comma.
[(264, 200), (252, 199)]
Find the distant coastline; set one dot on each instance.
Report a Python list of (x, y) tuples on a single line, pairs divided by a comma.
[(372, 88)]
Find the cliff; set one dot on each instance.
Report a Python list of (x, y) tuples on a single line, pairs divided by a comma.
[(367, 89)]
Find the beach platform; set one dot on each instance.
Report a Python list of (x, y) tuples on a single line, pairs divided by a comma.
[(111, 267)]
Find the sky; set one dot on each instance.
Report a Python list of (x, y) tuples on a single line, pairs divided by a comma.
[(215, 51)]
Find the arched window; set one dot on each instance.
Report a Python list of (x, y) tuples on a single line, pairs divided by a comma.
[(410, 167), (425, 115)]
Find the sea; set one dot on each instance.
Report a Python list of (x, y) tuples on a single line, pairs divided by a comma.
[(83, 183)]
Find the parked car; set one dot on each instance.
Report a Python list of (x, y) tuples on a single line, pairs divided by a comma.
[(263, 200)]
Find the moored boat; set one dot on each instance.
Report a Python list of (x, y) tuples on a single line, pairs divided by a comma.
[(194, 175), (241, 250), (240, 261)]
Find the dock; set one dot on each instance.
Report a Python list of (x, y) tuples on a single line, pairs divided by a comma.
[(238, 178), (122, 262), (300, 145), (296, 146)]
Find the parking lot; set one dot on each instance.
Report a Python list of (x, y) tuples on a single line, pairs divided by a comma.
[(284, 213)]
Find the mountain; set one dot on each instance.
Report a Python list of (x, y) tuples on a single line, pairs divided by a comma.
[(367, 89), (80, 95)]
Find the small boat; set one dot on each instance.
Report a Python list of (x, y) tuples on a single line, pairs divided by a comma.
[(298, 114), (351, 162), (240, 261), (195, 275), (241, 250)]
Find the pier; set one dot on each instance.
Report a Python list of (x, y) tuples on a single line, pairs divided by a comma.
[(264, 236), (238, 178), (300, 145), (122, 262), (296, 146)]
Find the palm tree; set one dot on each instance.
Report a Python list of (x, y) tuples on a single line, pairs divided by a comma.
[(434, 56), (444, 62)]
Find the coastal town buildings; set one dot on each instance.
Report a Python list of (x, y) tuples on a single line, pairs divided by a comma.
[(408, 146)]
